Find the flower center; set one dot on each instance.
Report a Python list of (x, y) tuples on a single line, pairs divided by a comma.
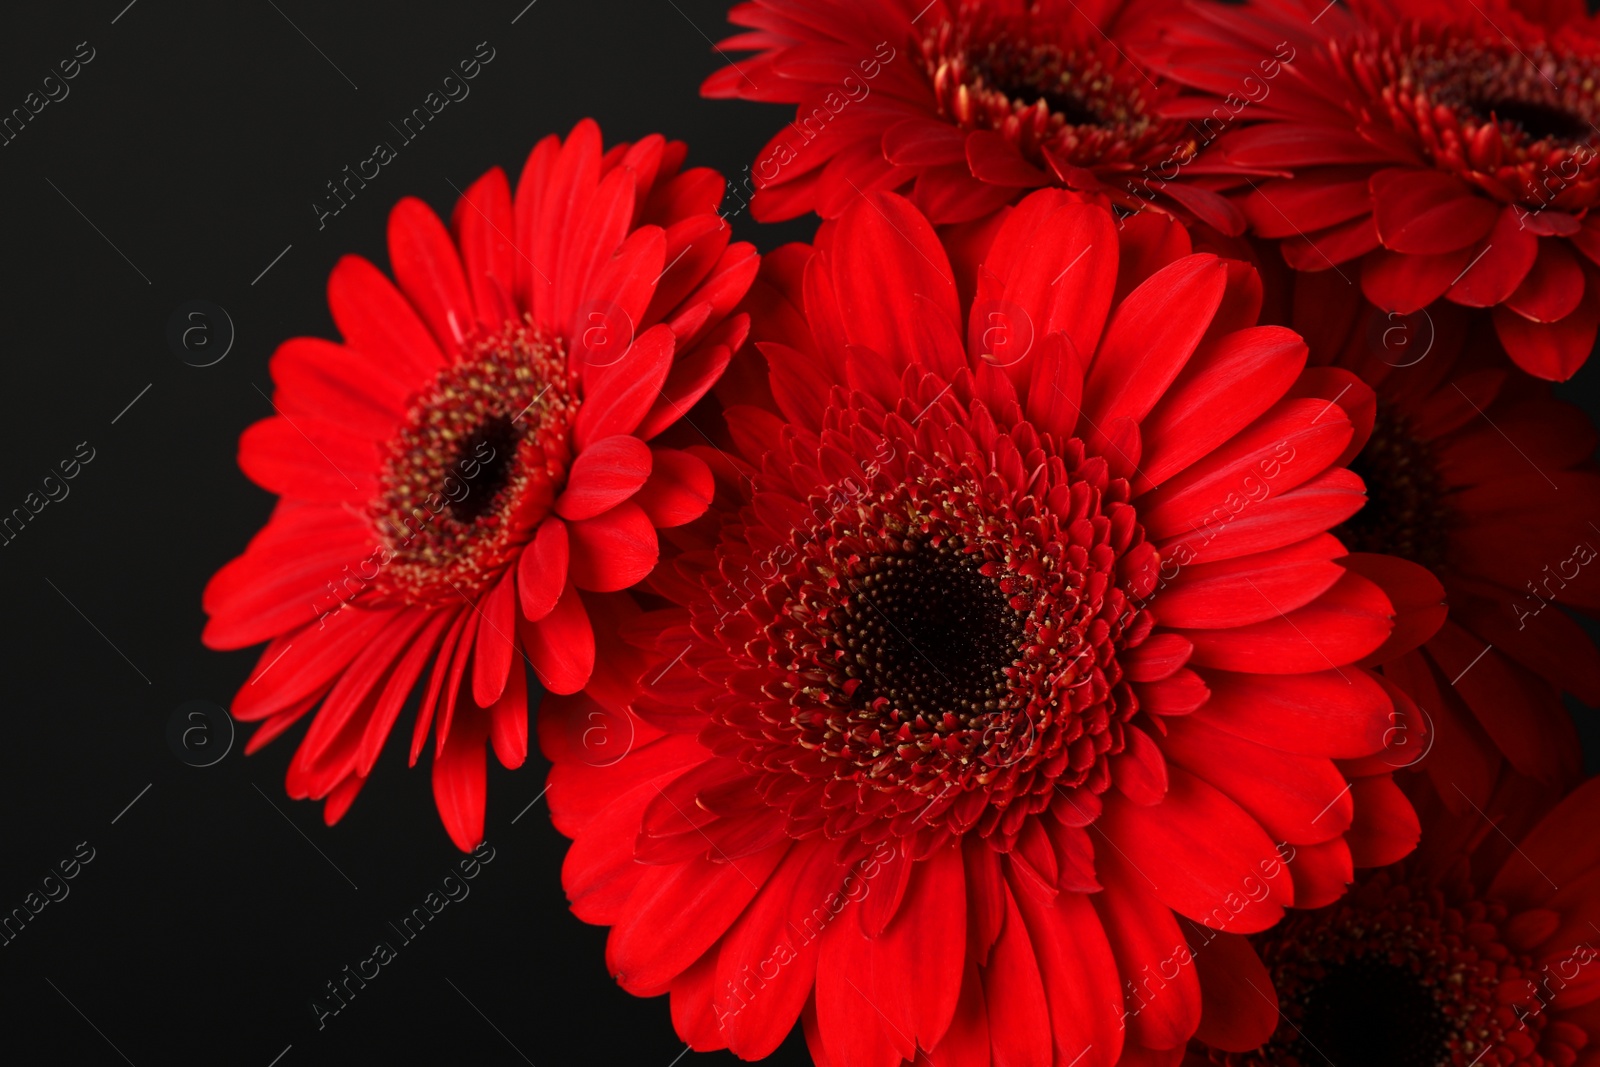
[(1029, 75), (1535, 97), (933, 646), (495, 440), (1370, 1012), (1516, 120), (475, 466), (1400, 974), (1077, 100), (1537, 121), (928, 635), (1405, 514)]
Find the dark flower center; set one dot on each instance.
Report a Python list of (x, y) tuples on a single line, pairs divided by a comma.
[(1541, 93), (1366, 1012), (1403, 972), (1517, 120), (1406, 513), (928, 646), (1028, 75), (1057, 97), (1538, 121), (929, 634), (496, 438), (474, 468)]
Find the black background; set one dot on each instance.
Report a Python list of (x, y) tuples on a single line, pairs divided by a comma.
[(186, 157)]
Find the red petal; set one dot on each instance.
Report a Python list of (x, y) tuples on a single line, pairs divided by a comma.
[(775, 939), (483, 227), (1299, 799), (927, 941), (373, 317), (1428, 212), (605, 474), (1342, 626), (429, 272), (1225, 387), (1552, 351), (1198, 849), (1341, 714), (1405, 282), (1322, 872), (561, 645), (1079, 974), (1499, 267), (679, 490), (619, 396), (1238, 1005), (542, 569), (1385, 829), (1162, 1011), (1553, 288), (496, 643), (884, 250), (1150, 337), (459, 779), (678, 912), (614, 550)]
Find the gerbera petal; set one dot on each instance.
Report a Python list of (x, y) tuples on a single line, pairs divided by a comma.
[(679, 489), (1427, 212), (561, 644), (1553, 288), (1076, 968), (459, 779), (428, 270), (1196, 848), (375, 319), (605, 474), (621, 397), (483, 226), (1239, 1007), (1020, 1019), (612, 550), (777, 933), (1500, 266), (884, 247), (494, 654), (1150, 337)]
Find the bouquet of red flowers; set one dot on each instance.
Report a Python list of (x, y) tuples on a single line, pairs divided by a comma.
[(1108, 599)]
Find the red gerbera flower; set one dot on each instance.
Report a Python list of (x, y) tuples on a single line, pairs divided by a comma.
[(1450, 148), (1481, 949), (971, 104), (1029, 640), (1483, 477), (470, 468)]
